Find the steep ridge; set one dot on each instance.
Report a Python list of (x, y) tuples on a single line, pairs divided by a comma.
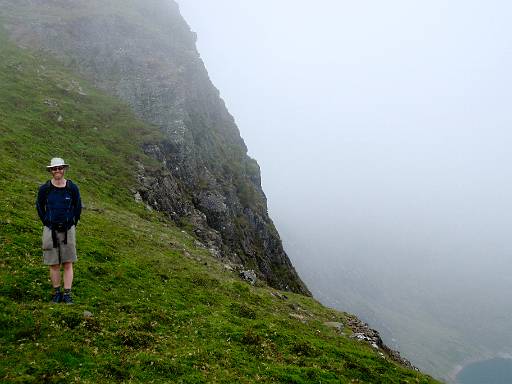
[(152, 303), (144, 53)]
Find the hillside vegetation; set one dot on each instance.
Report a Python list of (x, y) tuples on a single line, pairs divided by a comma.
[(162, 309), (143, 53)]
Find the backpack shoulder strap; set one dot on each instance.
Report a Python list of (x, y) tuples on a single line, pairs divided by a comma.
[(72, 189), (46, 188)]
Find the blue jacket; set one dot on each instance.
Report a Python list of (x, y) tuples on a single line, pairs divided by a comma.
[(59, 206)]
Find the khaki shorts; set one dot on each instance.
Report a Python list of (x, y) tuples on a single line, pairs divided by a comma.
[(63, 253)]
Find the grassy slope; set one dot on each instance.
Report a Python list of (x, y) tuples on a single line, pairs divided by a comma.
[(163, 309)]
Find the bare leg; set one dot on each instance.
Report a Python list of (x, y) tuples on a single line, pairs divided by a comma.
[(55, 275), (68, 275)]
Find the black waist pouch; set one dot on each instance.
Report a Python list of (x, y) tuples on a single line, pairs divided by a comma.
[(59, 227)]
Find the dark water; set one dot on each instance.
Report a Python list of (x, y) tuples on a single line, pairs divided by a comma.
[(494, 371)]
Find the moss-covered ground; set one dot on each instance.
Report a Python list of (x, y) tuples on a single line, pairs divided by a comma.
[(163, 309)]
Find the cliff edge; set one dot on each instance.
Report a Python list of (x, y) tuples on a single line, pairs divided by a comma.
[(144, 53)]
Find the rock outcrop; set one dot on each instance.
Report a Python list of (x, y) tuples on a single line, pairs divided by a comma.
[(363, 332), (144, 53)]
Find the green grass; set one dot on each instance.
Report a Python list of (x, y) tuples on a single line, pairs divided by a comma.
[(164, 310)]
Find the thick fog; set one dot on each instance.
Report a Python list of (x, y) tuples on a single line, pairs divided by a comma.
[(383, 132)]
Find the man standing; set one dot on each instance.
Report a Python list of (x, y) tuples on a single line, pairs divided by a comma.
[(59, 206)]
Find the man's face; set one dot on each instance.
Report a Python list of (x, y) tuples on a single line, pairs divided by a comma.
[(57, 172)]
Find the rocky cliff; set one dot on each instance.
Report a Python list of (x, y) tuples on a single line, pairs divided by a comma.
[(144, 53)]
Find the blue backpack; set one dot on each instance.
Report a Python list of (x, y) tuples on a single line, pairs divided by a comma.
[(64, 208), (59, 213)]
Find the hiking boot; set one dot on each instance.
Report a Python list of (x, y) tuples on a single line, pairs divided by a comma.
[(56, 298), (66, 299)]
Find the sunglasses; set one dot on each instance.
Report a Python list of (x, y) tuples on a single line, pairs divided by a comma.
[(59, 168)]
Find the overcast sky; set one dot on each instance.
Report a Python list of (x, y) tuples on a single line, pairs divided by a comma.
[(385, 114), (383, 129)]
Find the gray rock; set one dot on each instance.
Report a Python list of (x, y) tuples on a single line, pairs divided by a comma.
[(299, 317), (51, 103), (87, 314), (336, 325), (249, 276), (279, 295), (228, 267), (198, 244)]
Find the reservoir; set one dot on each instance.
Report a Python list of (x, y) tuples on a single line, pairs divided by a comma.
[(494, 371)]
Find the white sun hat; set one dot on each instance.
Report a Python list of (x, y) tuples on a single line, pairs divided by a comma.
[(57, 162)]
